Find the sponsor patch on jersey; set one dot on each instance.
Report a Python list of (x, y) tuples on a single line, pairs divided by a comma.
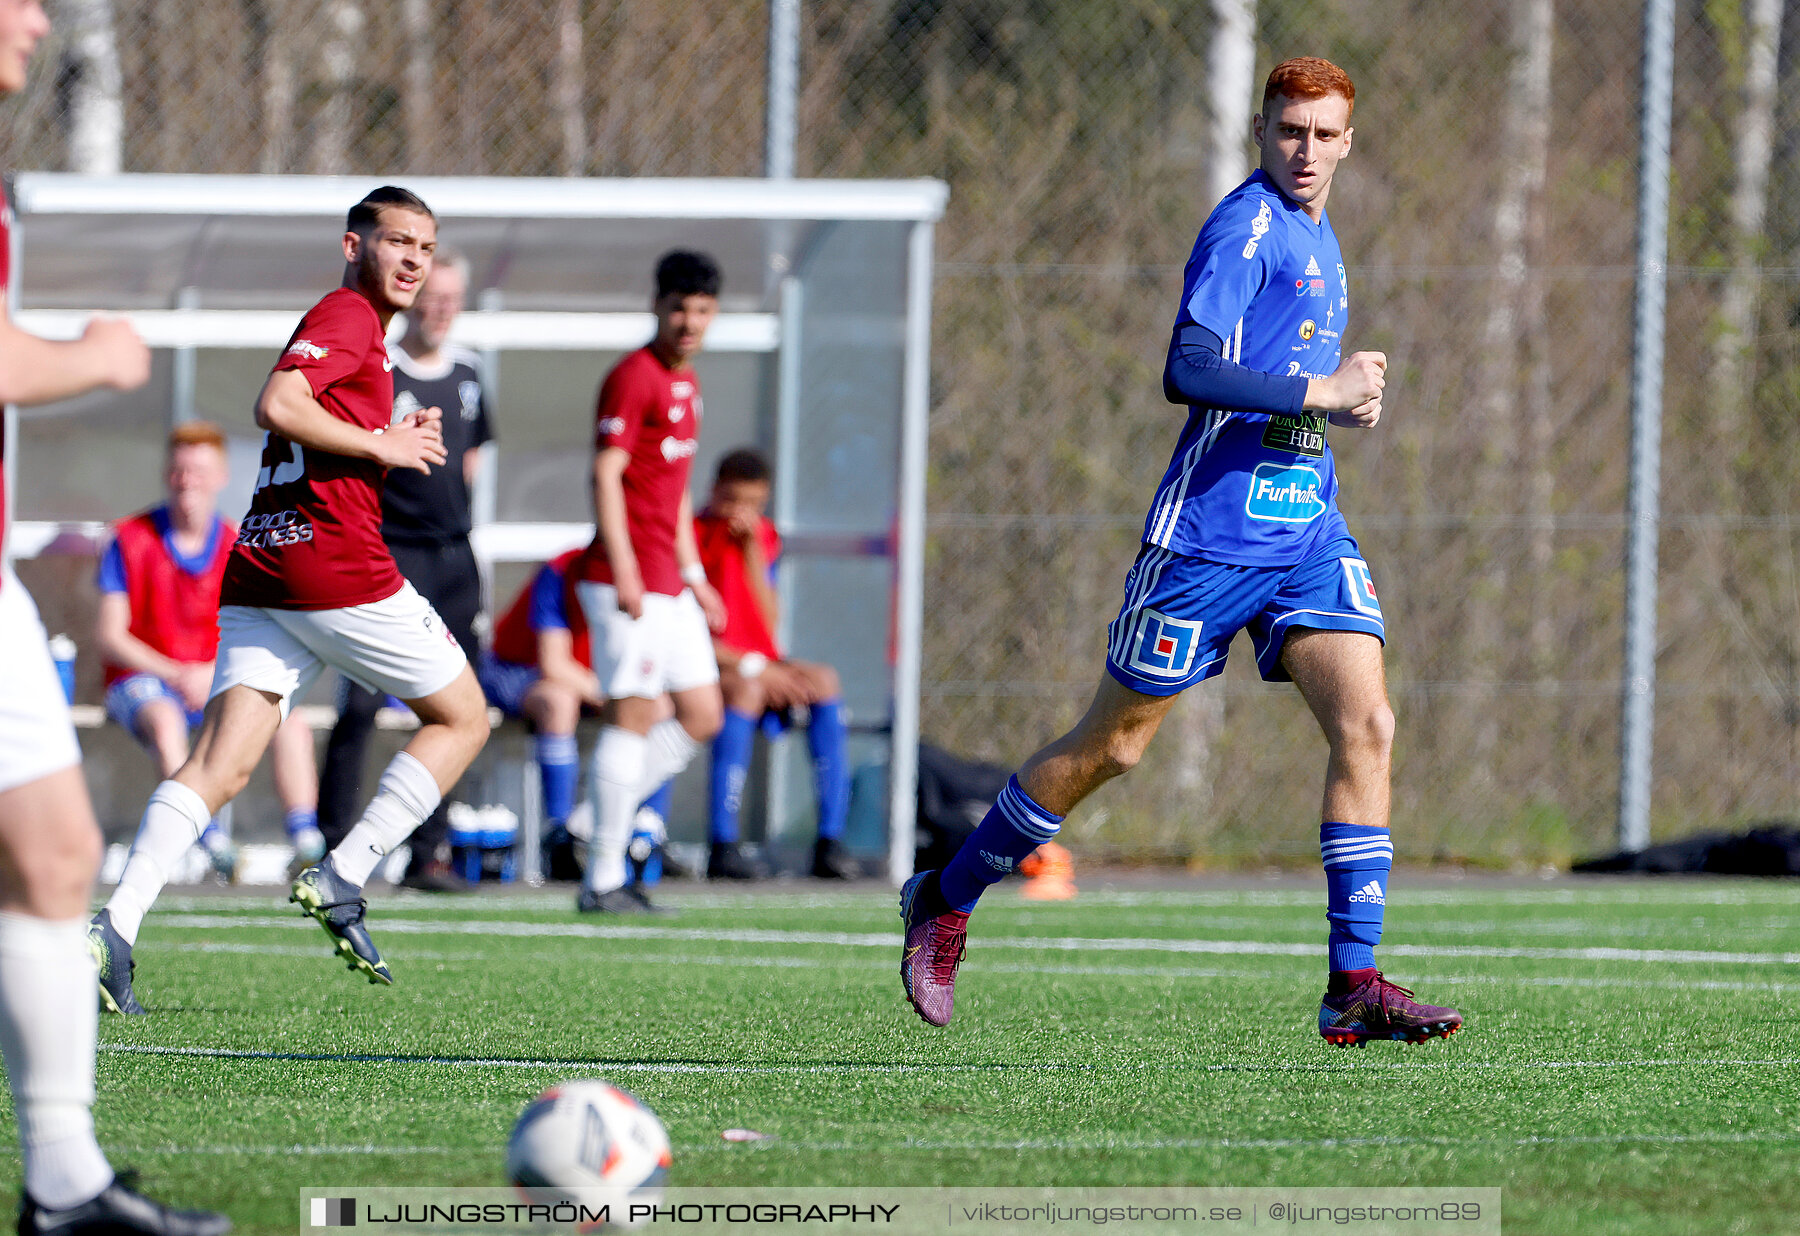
[(1307, 328), (1163, 647), (308, 349), (611, 425), (1284, 494), (1361, 586), (679, 448), (681, 388), (1259, 227), (1303, 435)]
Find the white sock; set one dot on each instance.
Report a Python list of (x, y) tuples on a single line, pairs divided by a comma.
[(618, 772), (48, 1024), (173, 820), (670, 749), (406, 794)]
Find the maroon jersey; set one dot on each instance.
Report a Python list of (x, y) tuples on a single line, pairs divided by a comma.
[(544, 603), (746, 627), (312, 539), (174, 604), (653, 412)]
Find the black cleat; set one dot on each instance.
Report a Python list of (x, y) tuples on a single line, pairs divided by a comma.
[(339, 907), (727, 862), (118, 1211), (112, 956), (832, 862), (561, 863), (625, 900)]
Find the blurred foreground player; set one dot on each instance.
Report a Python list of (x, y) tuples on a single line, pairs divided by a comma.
[(1243, 533), (311, 586), (49, 842), (740, 548), (641, 584), (425, 520), (157, 629)]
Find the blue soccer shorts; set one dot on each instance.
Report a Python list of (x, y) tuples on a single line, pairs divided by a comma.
[(128, 696), (1180, 614)]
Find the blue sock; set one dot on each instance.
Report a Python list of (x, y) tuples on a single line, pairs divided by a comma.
[(1357, 861), (659, 801), (730, 764), (1013, 827), (559, 768), (300, 820), (828, 738)]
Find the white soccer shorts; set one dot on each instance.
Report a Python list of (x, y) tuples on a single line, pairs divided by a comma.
[(36, 736), (668, 649), (398, 646)]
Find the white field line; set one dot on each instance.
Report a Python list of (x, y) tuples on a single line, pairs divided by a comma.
[(1675, 893), (1040, 944), (760, 961), (798, 1069)]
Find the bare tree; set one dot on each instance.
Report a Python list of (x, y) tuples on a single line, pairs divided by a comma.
[(330, 152), (418, 108), (1230, 94), (94, 88), (1729, 388), (569, 98), (272, 65)]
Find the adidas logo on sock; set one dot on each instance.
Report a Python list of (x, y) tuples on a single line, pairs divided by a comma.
[(1371, 893), (999, 862)]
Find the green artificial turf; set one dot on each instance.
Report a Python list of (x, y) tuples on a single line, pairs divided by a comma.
[(1138, 1035)]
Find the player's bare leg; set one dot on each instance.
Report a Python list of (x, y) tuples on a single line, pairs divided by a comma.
[(1107, 742), (641, 747), (1341, 677), (160, 726), (235, 731), (295, 769), (453, 728)]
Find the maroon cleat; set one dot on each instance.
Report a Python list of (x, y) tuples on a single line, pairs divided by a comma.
[(932, 950), (1378, 1009)]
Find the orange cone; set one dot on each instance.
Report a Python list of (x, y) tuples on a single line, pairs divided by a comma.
[(1049, 873)]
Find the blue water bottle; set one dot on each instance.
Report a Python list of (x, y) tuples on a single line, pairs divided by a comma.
[(62, 651)]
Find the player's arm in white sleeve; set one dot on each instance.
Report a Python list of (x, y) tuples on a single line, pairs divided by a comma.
[(287, 406), (34, 370)]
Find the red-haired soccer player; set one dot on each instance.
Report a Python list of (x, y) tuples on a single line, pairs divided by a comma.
[(49, 842), (158, 627), (311, 585), (1243, 534)]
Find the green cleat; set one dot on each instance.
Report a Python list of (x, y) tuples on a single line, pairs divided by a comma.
[(339, 907)]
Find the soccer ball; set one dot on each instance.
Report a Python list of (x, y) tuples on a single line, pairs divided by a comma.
[(589, 1142)]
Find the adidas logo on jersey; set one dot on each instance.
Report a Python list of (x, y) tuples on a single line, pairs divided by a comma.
[(1312, 266), (1370, 893), (999, 862)]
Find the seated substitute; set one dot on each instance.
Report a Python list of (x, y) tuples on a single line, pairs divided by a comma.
[(540, 669), (158, 627), (740, 547)]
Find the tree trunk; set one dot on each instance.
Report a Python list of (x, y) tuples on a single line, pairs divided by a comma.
[(568, 88), (95, 88), (1230, 95), (272, 65), (1526, 127), (1729, 388), (330, 154), (420, 109)]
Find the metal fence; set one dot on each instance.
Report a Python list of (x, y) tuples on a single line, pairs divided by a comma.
[(1487, 214)]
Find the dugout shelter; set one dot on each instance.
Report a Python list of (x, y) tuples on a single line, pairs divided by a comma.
[(820, 355)]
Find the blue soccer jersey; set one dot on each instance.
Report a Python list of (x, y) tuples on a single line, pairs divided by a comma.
[(1248, 488)]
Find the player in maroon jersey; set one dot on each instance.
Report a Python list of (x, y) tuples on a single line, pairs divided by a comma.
[(157, 630), (641, 583), (49, 842), (311, 585)]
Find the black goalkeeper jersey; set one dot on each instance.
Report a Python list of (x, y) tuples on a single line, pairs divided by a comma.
[(420, 508)]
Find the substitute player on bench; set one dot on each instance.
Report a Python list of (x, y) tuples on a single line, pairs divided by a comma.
[(49, 843), (641, 583), (158, 626), (1243, 533), (311, 586)]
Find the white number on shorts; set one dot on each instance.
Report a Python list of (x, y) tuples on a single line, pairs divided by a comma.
[(285, 473)]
